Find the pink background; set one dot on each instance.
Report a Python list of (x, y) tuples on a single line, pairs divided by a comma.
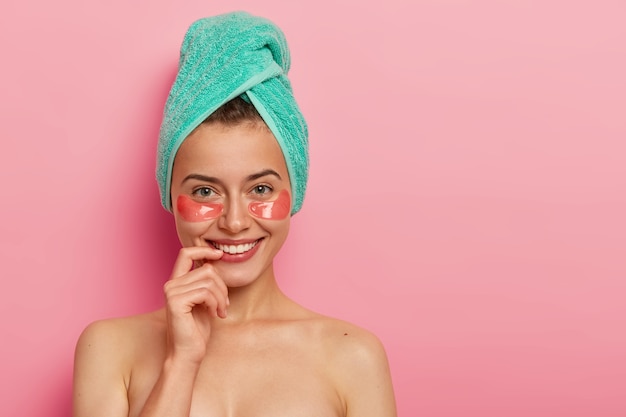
[(467, 197)]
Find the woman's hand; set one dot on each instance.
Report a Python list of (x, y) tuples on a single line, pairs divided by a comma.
[(193, 297)]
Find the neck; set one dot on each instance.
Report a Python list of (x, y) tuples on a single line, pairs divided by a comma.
[(259, 300)]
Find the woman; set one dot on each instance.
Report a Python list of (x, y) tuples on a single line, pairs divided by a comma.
[(232, 168)]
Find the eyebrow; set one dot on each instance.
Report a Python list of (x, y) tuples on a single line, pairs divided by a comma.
[(201, 177), (215, 180), (261, 174)]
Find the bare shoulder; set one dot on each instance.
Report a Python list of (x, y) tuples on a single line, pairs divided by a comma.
[(105, 355), (120, 334), (115, 341), (122, 326), (338, 341), (348, 345), (358, 366)]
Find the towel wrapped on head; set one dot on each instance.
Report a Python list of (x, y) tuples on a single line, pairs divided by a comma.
[(228, 56)]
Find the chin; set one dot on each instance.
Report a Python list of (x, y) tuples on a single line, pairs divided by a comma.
[(235, 276)]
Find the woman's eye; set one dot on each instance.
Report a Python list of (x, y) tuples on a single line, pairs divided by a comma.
[(262, 189), (203, 192)]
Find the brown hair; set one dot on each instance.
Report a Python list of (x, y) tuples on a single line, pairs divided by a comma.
[(236, 112)]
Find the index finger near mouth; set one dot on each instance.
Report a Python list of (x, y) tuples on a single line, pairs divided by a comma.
[(187, 256)]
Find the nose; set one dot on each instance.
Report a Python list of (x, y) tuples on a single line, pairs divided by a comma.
[(235, 217)]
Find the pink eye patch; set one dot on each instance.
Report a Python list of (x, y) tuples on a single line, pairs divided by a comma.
[(272, 210), (193, 211)]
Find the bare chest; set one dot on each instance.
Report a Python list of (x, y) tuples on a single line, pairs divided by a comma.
[(264, 382), (255, 377)]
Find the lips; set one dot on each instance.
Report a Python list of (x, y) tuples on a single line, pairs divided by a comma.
[(236, 251)]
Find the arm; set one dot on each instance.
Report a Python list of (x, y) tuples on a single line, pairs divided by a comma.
[(171, 395), (192, 298), (367, 386), (99, 380)]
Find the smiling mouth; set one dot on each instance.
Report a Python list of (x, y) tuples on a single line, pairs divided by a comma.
[(235, 249)]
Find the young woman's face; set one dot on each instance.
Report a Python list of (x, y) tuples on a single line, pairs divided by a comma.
[(230, 189)]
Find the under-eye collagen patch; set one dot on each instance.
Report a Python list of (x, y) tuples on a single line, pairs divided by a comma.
[(272, 210), (192, 211)]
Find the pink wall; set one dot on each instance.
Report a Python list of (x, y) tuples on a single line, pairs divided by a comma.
[(466, 203)]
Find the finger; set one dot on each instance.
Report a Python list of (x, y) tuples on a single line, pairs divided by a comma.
[(199, 275), (219, 282), (183, 300), (182, 293), (214, 299), (209, 300), (188, 255)]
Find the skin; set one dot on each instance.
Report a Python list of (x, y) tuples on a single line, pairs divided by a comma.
[(228, 342)]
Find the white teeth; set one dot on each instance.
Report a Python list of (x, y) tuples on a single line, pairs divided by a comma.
[(235, 249)]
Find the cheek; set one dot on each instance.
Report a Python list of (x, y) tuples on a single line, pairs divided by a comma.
[(272, 210), (193, 211)]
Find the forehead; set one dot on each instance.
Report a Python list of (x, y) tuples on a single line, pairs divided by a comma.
[(214, 148)]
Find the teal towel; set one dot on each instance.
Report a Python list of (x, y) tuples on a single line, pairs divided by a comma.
[(227, 56)]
